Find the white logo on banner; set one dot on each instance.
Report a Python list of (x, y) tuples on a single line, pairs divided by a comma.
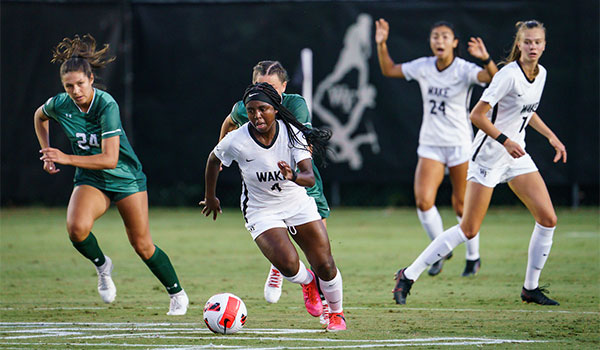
[(347, 91)]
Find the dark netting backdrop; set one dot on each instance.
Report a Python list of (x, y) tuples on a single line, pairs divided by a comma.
[(181, 65)]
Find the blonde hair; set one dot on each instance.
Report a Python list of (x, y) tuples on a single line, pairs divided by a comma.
[(521, 26)]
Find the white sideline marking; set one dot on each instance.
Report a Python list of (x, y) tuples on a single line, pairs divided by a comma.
[(400, 343), (475, 310), (582, 234), (348, 308), (55, 308), (79, 330)]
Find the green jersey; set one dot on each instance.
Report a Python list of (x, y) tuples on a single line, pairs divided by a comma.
[(85, 131), (297, 105)]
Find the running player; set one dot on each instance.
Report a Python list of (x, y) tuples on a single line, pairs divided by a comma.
[(273, 200), (506, 107), (272, 72), (107, 169), (446, 82)]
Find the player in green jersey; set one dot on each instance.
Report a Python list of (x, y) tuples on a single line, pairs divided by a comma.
[(272, 72), (107, 169)]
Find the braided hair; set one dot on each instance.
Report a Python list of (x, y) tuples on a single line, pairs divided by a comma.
[(80, 55), (316, 138)]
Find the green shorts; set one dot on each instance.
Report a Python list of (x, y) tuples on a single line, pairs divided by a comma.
[(116, 196)]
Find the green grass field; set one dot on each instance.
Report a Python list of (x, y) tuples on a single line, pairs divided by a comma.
[(48, 298)]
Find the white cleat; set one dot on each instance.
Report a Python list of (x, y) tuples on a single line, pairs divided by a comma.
[(106, 286), (179, 304), (273, 285), (324, 318)]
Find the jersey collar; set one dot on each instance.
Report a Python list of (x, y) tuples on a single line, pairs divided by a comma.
[(441, 71), (274, 137), (91, 103), (525, 75)]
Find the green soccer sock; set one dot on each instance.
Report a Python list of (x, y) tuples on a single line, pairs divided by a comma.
[(161, 267), (90, 249)]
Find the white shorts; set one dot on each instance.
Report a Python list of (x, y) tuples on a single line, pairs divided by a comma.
[(261, 220), (490, 177), (450, 156)]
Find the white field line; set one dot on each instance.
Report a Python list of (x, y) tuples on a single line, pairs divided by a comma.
[(582, 234), (79, 330), (392, 343), (119, 326), (352, 308)]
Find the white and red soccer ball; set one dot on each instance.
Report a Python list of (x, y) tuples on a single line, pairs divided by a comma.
[(225, 313)]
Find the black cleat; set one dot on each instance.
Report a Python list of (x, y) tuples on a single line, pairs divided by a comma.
[(403, 286), (537, 296), (436, 267), (472, 268)]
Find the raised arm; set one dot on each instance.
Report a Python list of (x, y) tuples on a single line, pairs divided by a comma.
[(387, 65), (211, 203), (480, 120), (477, 49), (538, 124)]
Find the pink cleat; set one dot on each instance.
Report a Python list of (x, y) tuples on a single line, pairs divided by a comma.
[(312, 300), (337, 322)]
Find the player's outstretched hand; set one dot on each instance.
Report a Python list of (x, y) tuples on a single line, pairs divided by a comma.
[(211, 205), (561, 150), (477, 49), (285, 169), (514, 149), (382, 30)]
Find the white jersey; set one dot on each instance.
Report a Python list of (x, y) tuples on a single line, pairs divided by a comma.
[(513, 98), (446, 95), (263, 186)]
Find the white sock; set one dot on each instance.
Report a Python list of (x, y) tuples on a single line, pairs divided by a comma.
[(472, 251), (431, 221), (539, 248), (333, 292), (437, 249), (302, 277)]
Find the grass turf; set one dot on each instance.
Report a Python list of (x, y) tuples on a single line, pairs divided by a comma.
[(44, 279)]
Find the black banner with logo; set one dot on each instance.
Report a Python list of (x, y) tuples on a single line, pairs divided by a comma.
[(181, 66)]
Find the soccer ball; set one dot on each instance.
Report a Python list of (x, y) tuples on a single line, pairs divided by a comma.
[(225, 313)]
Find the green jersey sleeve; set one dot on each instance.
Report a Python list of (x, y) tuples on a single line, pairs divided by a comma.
[(238, 114), (297, 105), (110, 121), (48, 108)]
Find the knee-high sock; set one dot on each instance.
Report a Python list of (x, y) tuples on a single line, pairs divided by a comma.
[(472, 251), (431, 222), (90, 249), (333, 292), (437, 249), (161, 267), (302, 277), (539, 249)]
